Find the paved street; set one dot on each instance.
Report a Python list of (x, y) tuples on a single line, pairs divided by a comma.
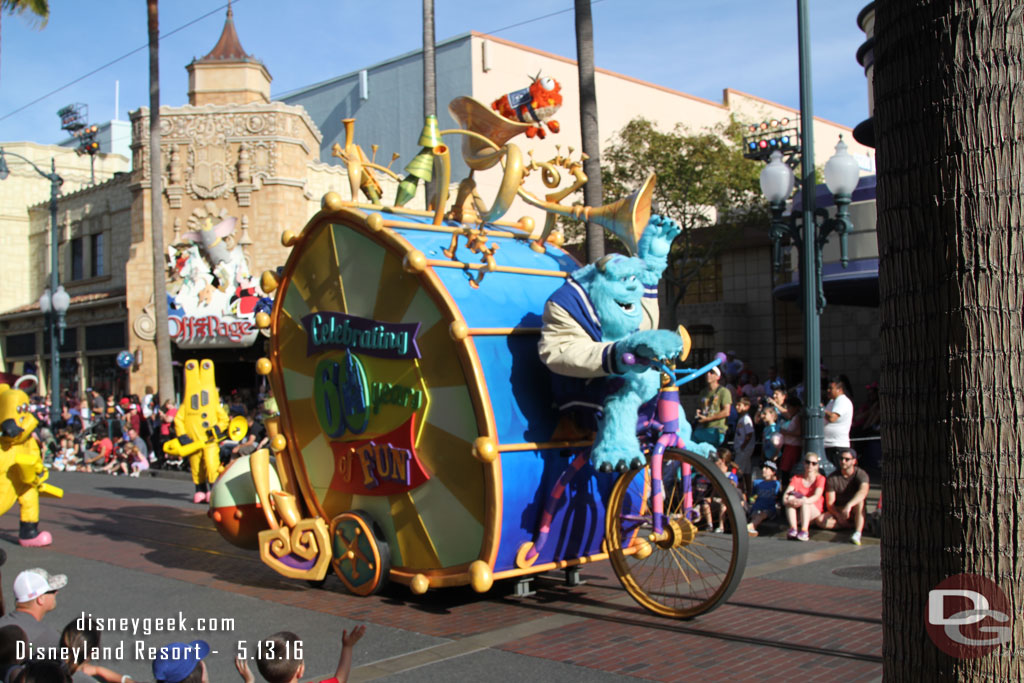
[(138, 548)]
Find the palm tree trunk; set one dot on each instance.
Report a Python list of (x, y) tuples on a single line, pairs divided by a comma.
[(592, 192), (429, 76), (165, 376), (951, 266)]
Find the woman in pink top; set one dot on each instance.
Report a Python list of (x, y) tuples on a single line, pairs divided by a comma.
[(805, 494)]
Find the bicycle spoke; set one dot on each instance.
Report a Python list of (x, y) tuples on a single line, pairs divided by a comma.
[(687, 579)]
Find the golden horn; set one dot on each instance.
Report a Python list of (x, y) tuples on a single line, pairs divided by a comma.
[(476, 117), (443, 175), (510, 182), (352, 158), (626, 219), (259, 468)]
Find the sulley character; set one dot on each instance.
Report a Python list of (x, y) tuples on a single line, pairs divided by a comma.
[(535, 104), (607, 309), (22, 473), (201, 424)]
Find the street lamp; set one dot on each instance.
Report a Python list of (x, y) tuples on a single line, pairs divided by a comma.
[(777, 181), (55, 305), (60, 297)]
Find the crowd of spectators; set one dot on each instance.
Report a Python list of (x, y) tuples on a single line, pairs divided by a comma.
[(124, 435), (758, 428), (33, 651)]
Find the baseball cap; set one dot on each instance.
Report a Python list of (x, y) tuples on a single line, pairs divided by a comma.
[(716, 370), (32, 583), (174, 662), (770, 464)]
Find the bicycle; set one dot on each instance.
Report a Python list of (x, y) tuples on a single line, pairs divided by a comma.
[(660, 554)]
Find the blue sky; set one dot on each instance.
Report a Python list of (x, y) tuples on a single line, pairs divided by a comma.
[(696, 46)]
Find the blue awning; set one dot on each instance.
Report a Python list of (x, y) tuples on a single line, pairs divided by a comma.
[(856, 285), (865, 191)]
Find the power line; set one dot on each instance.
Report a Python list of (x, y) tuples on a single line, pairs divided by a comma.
[(530, 21), (115, 61), (215, 11)]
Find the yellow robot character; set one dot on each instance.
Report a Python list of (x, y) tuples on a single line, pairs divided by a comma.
[(201, 424), (22, 473)]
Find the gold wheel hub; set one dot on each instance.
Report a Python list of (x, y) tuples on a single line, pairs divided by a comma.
[(677, 533)]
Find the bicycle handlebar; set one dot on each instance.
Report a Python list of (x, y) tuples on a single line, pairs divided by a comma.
[(632, 359)]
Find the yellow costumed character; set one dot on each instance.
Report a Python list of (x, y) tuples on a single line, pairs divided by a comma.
[(22, 473), (201, 424)]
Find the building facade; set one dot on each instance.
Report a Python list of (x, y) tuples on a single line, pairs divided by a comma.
[(238, 168)]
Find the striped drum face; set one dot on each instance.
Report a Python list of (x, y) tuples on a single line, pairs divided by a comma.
[(392, 360)]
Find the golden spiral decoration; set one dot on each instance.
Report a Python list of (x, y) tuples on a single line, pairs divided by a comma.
[(304, 540)]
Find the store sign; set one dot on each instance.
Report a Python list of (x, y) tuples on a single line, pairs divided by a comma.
[(190, 332)]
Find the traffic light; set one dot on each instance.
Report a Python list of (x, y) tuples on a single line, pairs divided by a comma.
[(89, 144)]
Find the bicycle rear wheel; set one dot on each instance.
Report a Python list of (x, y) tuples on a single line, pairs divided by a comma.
[(689, 571)]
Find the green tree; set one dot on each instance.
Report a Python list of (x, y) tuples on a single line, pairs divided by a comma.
[(704, 183), (39, 10), (947, 93)]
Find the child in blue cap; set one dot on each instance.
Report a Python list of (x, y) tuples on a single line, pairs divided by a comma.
[(181, 663)]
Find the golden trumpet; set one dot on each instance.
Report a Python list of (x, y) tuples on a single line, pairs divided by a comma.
[(626, 219)]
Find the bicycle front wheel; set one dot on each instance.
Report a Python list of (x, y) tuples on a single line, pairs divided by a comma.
[(690, 569)]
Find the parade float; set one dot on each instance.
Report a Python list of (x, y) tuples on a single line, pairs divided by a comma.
[(417, 443)]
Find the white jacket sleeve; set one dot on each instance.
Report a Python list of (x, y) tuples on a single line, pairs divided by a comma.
[(567, 349)]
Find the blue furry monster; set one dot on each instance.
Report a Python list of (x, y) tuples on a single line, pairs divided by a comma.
[(605, 310)]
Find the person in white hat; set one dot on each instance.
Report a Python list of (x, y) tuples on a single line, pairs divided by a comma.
[(35, 592), (715, 405)]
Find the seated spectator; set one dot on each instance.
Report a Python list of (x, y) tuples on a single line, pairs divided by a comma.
[(804, 498), (712, 506), (79, 644), (98, 455), (289, 669), (138, 442), (10, 637), (846, 491), (181, 663), (137, 462), (766, 497), (68, 452), (255, 439), (118, 461)]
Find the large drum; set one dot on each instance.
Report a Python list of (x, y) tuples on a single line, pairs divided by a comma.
[(416, 415)]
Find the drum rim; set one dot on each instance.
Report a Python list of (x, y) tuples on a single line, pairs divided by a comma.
[(356, 219)]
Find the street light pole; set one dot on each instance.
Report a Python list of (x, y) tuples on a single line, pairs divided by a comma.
[(55, 182), (810, 256)]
